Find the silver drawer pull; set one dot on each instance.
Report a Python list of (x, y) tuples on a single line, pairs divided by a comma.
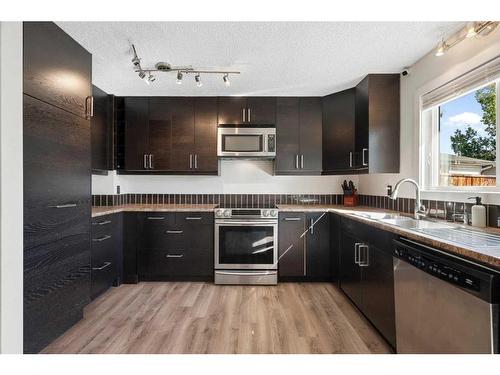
[(193, 218), (64, 205), (156, 217), (249, 273), (292, 219), (175, 231), (106, 264), (107, 237), (105, 222), (175, 255)]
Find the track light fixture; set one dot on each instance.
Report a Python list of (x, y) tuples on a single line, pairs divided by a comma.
[(164, 67), (472, 30), (197, 78)]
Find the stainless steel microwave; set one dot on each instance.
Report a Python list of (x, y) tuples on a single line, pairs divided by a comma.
[(246, 141)]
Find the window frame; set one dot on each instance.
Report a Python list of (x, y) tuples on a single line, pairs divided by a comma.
[(430, 155)]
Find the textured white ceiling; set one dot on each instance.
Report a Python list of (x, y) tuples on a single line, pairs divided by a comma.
[(275, 58)]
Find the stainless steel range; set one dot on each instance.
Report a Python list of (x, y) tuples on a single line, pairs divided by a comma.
[(246, 246)]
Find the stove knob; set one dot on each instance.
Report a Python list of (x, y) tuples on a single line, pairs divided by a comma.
[(265, 213), (227, 213), (219, 213), (274, 213)]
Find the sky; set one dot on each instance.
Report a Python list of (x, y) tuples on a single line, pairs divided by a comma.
[(458, 114)]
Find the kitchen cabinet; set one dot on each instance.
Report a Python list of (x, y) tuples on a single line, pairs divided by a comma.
[(335, 246), (57, 188), (339, 116), (366, 274), (130, 245), (137, 133), (251, 110), (159, 134), (56, 69), (182, 110), (102, 132), (304, 257), (106, 255), (175, 246), (205, 135), (298, 136)]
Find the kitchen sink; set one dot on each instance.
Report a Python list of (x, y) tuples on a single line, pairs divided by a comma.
[(410, 223)]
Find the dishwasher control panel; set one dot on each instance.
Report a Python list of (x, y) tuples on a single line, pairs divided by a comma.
[(438, 269)]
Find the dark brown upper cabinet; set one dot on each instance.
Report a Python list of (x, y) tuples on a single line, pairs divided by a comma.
[(299, 136), (361, 127), (137, 133), (58, 72), (378, 123), (205, 135), (101, 126), (339, 118), (251, 110)]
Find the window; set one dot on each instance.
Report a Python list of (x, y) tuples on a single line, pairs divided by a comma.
[(459, 134)]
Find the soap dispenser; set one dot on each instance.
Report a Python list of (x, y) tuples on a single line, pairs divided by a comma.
[(478, 213)]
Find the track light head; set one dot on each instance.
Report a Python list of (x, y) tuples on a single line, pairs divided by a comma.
[(197, 78), (151, 78), (226, 80), (142, 74), (441, 48), (179, 78), (471, 30)]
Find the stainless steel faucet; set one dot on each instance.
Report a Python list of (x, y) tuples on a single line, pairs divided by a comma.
[(419, 210)]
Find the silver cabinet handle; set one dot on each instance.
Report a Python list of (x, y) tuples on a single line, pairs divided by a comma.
[(195, 161), (248, 115), (175, 255), (311, 226), (243, 114), (145, 161), (175, 231), (301, 161), (193, 218), (69, 205), (107, 237), (356, 252), (89, 107), (296, 161), (151, 161), (105, 222), (156, 217), (293, 218), (366, 260), (190, 161), (106, 264), (350, 159), (363, 156)]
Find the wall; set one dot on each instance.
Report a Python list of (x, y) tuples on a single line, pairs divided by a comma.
[(11, 190), (425, 75), (236, 177)]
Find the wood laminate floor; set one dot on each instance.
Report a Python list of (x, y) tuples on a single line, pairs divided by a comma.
[(190, 317)]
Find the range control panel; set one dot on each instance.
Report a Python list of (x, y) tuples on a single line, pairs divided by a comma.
[(438, 269)]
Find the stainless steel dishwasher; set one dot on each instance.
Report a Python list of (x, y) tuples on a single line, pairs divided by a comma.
[(444, 304)]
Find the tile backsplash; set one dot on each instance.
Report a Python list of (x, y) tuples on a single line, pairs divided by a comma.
[(446, 210)]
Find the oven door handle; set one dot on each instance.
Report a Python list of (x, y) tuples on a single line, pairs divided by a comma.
[(245, 223), (250, 273)]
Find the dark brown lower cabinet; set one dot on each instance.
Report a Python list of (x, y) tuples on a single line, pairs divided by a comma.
[(175, 246), (304, 256), (366, 274), (106, 257)]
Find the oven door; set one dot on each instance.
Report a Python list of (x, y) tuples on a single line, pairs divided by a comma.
[(243, 142), (246, 244)]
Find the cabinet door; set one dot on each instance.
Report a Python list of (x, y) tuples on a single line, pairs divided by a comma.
[(136, 133), (287, 136), (338, 132), (291, 246), (182, 134), (231, 110), (205, 134), (310, 135), (378, 291), (100, 126), (261, 110), (160, 133), (57, 70), (350, 272), (318, 246), (335, 246), (362, 124)]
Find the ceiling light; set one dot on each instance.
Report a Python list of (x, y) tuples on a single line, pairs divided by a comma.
[(179, 78), (143, 76), (151, 78), (471, 30), (197, 78), (225, 78), (441, 48)]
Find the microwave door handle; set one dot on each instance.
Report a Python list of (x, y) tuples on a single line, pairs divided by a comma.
[(243, 111)]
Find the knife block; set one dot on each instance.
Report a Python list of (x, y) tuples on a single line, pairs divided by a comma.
[(351, 200)]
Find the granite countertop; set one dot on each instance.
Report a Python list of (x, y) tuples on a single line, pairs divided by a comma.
[(106, 210), (487, 256)]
